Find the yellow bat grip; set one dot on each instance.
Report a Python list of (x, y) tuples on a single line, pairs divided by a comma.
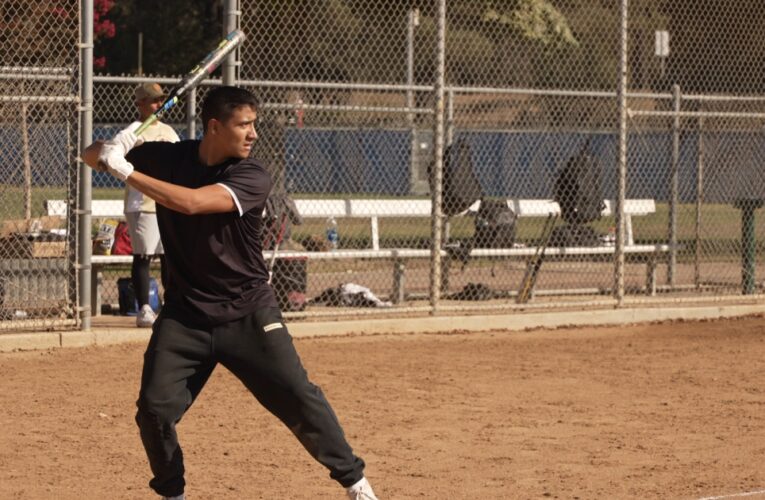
[(145, 124)]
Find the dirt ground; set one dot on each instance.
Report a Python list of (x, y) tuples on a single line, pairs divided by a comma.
[(672, 410)]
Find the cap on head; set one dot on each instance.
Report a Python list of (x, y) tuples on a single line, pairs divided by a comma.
[(149, 91)]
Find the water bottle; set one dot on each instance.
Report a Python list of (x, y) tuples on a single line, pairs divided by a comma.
[(332, 236)]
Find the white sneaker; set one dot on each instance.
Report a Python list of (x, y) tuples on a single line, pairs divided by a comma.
[(178, 497), (145, 317), (362, 490)]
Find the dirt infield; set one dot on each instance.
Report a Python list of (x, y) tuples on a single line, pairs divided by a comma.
[(669, 410)]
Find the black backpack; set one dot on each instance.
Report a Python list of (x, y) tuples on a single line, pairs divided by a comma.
[(494, 225), (460, 183), (577, 189), (279, 215)]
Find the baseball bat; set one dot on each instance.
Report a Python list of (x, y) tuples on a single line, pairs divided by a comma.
[(532, 269), (193, 78)]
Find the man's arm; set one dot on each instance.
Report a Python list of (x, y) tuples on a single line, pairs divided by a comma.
[(212, 199), (90, 155), (205, 200)]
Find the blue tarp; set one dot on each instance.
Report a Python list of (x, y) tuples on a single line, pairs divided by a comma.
[(508, 164), (523, 164), (517, 164)]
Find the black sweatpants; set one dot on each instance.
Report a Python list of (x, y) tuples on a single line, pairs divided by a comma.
[(258, 350)]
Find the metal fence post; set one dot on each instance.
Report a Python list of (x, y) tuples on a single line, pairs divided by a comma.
[(27, 163), (622, 160), (438, 152), (84, 248), (450, 117), (699, 205), (191, 114), (674, 189), (748, 243), (230, 23), (412, 22)]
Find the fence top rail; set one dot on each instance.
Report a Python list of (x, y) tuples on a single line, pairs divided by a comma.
[(47, 70), (166, 80), (457, 89), (35, 76), (336, 85), (695, 114), (39, 99)]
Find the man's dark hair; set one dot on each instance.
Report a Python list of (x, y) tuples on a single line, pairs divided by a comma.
[(221, 102)]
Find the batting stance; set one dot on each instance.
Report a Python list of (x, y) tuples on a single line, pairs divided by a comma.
[(219, 307)]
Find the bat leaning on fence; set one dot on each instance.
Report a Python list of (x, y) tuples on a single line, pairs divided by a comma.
[(193, 78), (535, 264)]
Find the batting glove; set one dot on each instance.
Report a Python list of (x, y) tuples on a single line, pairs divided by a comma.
[(119, 167), (126, 139), (113, 151)]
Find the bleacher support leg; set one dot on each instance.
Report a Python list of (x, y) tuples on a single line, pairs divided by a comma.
[(446, 265), (397, 294), (96, 280), (650, 278)]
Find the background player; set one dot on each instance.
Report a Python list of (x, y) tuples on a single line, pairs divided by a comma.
[(140, 210)]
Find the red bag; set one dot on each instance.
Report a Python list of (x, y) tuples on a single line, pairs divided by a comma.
[(122, 245)]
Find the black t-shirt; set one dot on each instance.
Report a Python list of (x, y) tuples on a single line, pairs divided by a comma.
[(217, 271)]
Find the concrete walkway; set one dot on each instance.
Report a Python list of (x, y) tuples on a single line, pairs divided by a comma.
[(108, 330)]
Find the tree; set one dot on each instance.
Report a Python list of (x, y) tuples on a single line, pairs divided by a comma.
[(536, 20), (176, 34), (715, 48), (103, 28), (40, 33)]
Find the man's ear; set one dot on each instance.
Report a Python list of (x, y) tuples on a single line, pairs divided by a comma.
[(213, 126)]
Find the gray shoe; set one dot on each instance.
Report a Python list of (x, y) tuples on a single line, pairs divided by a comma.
[(178, 497), (145, 319)]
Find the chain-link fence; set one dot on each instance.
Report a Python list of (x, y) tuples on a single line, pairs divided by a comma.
[(562, 184), (533, 131), (39, 126), (532, 185)]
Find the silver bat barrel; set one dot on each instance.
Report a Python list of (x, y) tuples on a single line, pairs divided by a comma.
[(196, 75)]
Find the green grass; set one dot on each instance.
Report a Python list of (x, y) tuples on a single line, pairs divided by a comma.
[(12, 199)]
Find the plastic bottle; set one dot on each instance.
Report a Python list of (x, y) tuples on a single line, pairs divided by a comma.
[(333, 237)]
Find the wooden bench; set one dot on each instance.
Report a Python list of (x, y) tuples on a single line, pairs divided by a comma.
[(374, 209)]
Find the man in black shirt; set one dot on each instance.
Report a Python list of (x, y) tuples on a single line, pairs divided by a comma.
[(219, 307)]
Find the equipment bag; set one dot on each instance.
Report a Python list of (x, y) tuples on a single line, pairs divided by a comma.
[(290, 281), (577, 189), (494, 225), (122, 244), (127, 301), (461, 187), (279, 216)]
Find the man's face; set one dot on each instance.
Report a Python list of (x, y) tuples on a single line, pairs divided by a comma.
[(147, 106), (236, 135)]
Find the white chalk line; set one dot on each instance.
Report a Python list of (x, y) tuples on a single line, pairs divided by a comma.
[(735, 495)]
